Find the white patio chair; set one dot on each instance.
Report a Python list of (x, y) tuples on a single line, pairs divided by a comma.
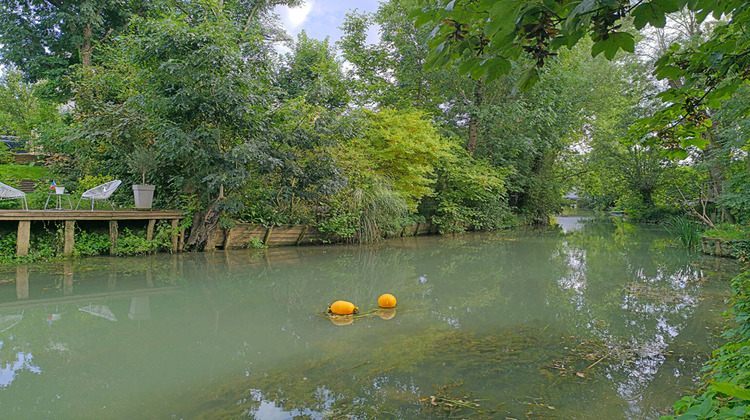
[(9, 193), (100, 193)]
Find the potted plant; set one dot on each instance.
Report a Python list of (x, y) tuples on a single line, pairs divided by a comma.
[(141, 161)]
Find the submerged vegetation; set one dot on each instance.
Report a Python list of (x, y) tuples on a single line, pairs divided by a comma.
[(476, 362)]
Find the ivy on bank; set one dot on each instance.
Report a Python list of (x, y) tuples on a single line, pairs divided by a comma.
[(727, 374)]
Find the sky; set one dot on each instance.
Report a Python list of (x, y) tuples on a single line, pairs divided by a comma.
[(321, 18)]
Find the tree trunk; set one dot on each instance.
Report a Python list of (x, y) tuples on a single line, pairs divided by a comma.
[(471, 145), (647, 197), (200, 235), (87, 49)]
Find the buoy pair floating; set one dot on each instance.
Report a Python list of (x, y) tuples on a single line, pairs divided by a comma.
[(342, 307)]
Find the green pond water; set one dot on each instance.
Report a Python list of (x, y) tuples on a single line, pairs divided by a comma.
[(597, 319)]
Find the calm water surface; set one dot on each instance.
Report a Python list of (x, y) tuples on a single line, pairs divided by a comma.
[(596, 320)]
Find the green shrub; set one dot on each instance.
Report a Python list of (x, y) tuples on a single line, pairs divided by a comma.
[(342, 223), (8, 247), (256, 243), (467, 191), (90, 243), (728, 232), (6, 156), (131, 242), (367, 212)]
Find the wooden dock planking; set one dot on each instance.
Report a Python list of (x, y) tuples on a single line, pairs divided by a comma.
[(25, 217), (62, 215)]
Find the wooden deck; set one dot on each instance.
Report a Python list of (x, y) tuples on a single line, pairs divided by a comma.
[(70, 217)]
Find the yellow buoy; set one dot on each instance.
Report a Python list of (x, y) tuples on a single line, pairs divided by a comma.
[(387, 301), (342, 307)]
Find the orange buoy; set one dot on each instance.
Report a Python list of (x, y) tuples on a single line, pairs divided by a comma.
[(342, 307), (387, 301), (387, 314)]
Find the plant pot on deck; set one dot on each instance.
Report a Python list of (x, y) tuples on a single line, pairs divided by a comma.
[(144, 196)]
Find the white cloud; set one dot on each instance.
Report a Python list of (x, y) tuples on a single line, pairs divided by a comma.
[(294, 18)]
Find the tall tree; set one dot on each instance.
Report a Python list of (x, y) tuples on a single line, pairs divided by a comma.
[(43, 38), (311, 70)]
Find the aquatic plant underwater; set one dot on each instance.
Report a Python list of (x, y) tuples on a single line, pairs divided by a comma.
[(480, 376)]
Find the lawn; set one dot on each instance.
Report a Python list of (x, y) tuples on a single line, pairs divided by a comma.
[(18, 172)]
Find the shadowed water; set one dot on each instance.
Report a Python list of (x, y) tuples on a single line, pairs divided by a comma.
[(604, 320)]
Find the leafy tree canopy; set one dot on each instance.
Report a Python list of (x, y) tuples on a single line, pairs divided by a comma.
[(483, 36), (43, 38), (401, 145)]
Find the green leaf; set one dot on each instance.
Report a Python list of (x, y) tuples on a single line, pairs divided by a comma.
[(714, 60), (583, 7), (424, 18), (732, 390), (416, 13), (440, 47), (625, 41), (478, 71), (696, 141), (679, 154), (467, 66), (496, 67), (528, 79), (501, 16), (654, 13), (615, 42), (668, 72), (492, 26)]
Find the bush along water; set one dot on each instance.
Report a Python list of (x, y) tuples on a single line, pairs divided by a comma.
[(726, 393)]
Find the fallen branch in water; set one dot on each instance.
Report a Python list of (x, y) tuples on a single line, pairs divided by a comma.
[(597, 362)]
